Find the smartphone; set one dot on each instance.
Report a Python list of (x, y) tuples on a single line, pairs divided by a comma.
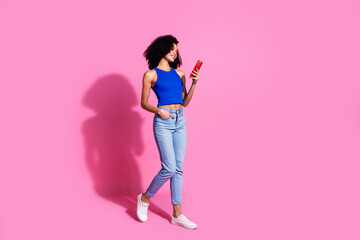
[(197, 65)]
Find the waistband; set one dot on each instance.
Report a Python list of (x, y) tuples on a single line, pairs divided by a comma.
[(179, 110)]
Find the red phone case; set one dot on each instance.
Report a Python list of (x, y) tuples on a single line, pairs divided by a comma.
[(197, 65)]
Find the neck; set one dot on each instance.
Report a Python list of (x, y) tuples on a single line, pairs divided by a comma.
[(164, 64)]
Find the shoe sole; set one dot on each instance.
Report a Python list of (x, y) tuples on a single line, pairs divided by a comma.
[(181, 225)]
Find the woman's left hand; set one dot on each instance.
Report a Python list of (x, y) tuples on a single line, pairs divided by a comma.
[(195, 75)]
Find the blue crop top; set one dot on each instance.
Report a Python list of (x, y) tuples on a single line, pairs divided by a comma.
[(168, 87)]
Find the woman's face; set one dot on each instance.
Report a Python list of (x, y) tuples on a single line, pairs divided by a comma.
[(172, 55)]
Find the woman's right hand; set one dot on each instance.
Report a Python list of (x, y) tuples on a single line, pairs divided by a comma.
[(164, 114)]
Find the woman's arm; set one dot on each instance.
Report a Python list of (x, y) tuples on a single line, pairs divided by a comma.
[(146, 86), (188, 95), (147, 78)]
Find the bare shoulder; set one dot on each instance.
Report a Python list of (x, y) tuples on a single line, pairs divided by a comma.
[(150, 75), (180, 73)]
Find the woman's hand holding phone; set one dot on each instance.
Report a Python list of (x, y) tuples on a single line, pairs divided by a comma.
[(195, 72), (195, 75)]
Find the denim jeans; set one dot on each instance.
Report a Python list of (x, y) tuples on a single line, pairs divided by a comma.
[(170, 136)]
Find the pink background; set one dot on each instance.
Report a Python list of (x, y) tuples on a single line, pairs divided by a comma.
[(273, 127)]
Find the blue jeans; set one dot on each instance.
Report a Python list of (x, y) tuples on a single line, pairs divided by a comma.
[(170, 136)]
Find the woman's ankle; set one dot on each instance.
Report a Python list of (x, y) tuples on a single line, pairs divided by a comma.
[(145, 198)]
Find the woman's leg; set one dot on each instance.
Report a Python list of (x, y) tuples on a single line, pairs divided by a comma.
[(179, 143), (164, 142)]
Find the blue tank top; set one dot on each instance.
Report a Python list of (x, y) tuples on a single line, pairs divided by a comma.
[(168, 87)]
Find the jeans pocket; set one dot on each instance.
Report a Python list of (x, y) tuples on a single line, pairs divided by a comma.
[(158, 116), (166, 118)]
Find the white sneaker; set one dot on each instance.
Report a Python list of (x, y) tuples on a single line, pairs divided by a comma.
[(142, 208), (183, 221)]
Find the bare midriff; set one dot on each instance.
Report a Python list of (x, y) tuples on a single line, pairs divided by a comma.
[(172, 106)]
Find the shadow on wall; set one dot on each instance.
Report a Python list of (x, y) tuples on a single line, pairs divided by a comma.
[(112, 139)]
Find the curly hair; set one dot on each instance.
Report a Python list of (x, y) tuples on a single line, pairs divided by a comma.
[(159, 48)]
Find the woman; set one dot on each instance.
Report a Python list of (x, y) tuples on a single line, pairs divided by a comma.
[(169, 85)]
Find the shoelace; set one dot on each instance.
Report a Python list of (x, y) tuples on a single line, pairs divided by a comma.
[(144, 208), (182, 216)]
